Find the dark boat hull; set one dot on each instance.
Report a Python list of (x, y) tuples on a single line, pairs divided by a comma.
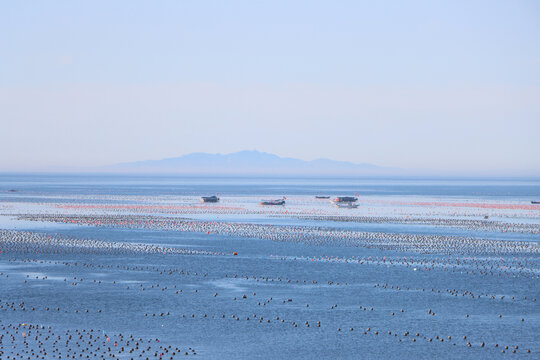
[(345, 199)]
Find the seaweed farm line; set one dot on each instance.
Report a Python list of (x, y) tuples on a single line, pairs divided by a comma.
[(118, 270)]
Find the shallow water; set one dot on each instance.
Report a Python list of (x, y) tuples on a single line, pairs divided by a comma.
[(103, 291)]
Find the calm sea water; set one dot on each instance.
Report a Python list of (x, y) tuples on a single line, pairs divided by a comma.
[(87, 184), (314, 287)]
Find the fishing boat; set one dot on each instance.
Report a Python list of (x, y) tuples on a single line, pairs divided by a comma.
[(341, 199), (272, 202), (535, 202), (209, 199)]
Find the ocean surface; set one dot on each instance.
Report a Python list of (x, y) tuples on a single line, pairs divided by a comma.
[(423, 268)]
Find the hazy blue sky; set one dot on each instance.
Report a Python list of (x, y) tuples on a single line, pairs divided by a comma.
[(441, 85)]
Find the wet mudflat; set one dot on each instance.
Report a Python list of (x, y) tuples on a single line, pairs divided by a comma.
[(141, 274)]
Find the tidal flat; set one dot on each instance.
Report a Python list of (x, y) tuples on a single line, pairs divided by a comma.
[(99, 267)]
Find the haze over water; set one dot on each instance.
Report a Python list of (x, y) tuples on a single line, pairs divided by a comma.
[(368, 179)]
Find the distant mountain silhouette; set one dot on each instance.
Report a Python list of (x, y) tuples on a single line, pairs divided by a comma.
[(246, 162)]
